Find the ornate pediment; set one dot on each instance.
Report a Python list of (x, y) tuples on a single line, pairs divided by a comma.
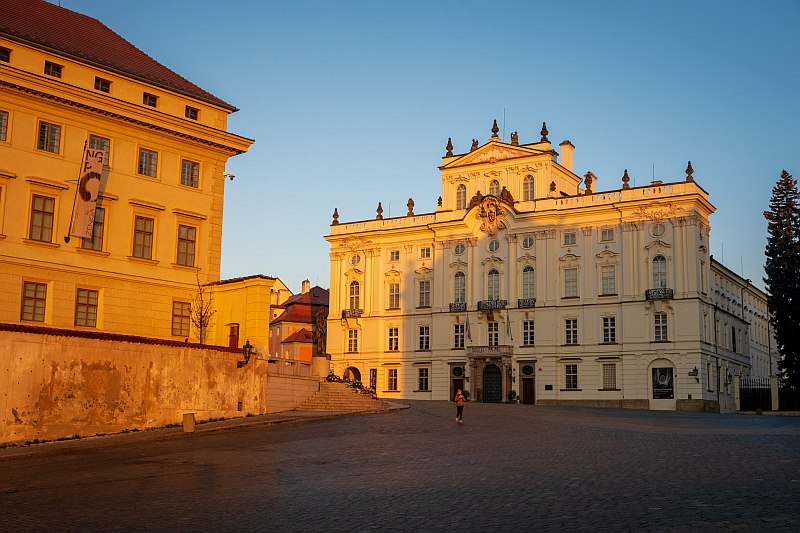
[(656, 211), (458, 264), (569, 258), (658, 243), (423, 270), (492, 153)]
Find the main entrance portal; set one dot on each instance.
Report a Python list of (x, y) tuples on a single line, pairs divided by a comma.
[(492, 384)]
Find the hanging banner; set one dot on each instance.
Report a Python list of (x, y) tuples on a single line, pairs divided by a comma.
[(88, 189)]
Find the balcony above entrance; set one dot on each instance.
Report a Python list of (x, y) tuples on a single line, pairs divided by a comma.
[(487, 305), (658, 294)]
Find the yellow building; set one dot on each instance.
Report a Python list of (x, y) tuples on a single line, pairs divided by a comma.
[(527, 282), (158, 222)]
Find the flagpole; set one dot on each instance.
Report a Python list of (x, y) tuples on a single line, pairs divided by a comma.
[(75, 198)]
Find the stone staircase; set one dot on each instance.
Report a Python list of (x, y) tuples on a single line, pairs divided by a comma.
[(339, 397)]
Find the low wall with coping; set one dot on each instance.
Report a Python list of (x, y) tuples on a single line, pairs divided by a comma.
[(57, 383)]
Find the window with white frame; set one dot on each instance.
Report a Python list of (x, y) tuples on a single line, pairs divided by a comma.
[(528, 241), (609, 376), (571, 376), (394, 296), (609, 329), (459, 288), (181, 318), (493, 285), (527, 333), (458, 336), (660, 327), (422, 378), (528, 282), (143, 237), (352, 340), (424, 293), (34, 299), (97, 142), (424, 337), (571, 331), (606, 235), (570, 282), (494, 245), (461, 197), (493, 329), (190, 173), (49, 137), (569, 238), (394, 255), (394, 339), (391, 379), (494, 188), (42, 215), (187, 240), (86, 308), (527, 188), (608, 279), (425, 252), (659, 272), (148, 162), (355, 295)]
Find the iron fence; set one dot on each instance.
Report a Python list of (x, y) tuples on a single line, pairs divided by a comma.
[(788, 398), (755, 394)]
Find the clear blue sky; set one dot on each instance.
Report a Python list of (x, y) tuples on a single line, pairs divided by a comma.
[(352, 103)]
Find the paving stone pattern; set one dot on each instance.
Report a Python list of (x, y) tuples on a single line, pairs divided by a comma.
[(507, 468)]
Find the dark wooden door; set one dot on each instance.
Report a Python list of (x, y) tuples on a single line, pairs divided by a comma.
[(492, 384), (233, 336), (529, 390), (458, 384)]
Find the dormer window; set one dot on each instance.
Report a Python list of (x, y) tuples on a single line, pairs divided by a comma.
[(5, 55), (104, 86), (52, 69), (149, 99), (192, 112)]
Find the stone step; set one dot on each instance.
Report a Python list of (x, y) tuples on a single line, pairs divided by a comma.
[(333, 396)]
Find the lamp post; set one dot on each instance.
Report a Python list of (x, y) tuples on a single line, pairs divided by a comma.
[(247, 351)]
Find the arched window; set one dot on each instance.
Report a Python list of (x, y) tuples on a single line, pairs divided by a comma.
[(461, 197), (494, 188), (493, 285), (528, 282), (527, 188), (355, 293), (659, 272), (459, 288)]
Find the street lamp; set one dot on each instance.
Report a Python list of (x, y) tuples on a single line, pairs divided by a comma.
[(247, 351)]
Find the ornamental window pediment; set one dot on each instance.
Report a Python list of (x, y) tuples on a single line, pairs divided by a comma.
[(658, 244), (607, 256), (569, 259), (423, 271), (458, 265)]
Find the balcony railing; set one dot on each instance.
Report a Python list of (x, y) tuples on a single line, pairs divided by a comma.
[(458, 307), (485, 305), (351, 313), (658, 294), (526, 303), (488, 351)]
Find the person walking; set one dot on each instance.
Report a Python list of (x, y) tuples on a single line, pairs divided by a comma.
[(460, 400)]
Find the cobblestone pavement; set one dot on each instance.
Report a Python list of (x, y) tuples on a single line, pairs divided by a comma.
[(507, 468)]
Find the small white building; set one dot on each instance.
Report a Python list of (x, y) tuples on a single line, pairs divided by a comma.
[(527, 284)]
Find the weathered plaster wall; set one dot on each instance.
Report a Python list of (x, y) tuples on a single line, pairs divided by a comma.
[(59, 383)]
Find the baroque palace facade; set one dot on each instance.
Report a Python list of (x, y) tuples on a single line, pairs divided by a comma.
[(67, 83), (528, 285)]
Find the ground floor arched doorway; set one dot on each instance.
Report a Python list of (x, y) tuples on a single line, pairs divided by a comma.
[(352, 373), (492, 384)]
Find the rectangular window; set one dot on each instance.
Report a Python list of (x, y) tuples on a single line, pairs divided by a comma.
[(5, 55), (425, 252), (394, 255), (143, 238), (352, 340), (607, 235), (181, 315), (49, 137), (733, 338), (609, 329), (608, 279), (34, 298), (570, 376), (52, 69), (101, 143), (187, 238), (422, 374), (570, 282), (394, 339), (98, 228), (148, 162), (149, 99), (571, 331), (569, 238), (394, 296), (42, 214), (190, 173), (3, 125), (609, 376), (660, 322), (424, 294), (458, 336), (86, 308), (493, 333), (104, 86), (391, 379), (527, 332), (424, 337), (192, 112)]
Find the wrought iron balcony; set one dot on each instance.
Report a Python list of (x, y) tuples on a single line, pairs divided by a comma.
[(351, 313), (485, 305), (458, 307), (526, 303), (658, 294)]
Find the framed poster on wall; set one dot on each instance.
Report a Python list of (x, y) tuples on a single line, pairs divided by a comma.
[(663, 384)]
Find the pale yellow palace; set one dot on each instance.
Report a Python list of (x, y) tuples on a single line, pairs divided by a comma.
[(69, 82), (527, 284)]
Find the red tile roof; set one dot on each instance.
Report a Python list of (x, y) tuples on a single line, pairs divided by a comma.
[(72, 34), (301, 335), (315, 296), (301, 314)]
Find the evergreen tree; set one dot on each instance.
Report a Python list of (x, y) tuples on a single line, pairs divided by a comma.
[(783, 274)]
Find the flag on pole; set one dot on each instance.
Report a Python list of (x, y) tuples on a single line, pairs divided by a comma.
[(508, 327), (467, 330)]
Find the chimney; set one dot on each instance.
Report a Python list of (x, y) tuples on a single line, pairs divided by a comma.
[(306, 286), (567, 148)]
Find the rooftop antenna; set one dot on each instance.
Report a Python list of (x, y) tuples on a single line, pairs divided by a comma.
[(389, 210), (654, 172)]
